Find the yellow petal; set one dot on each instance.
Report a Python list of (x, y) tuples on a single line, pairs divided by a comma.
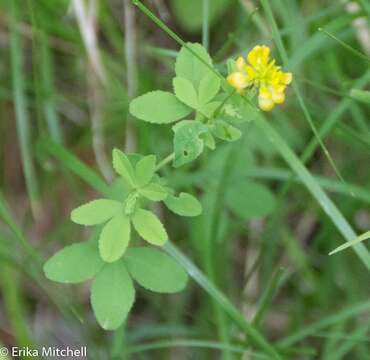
[(259, 55), (278, 97), (251, 72), (265, 93), (265, 104), (238, 80)]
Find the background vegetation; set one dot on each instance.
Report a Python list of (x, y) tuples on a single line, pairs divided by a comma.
[(67, 73)]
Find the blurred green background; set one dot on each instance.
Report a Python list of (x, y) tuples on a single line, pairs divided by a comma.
[(68, 69)]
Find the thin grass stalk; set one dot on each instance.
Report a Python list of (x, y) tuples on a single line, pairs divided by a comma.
[(21, 110)]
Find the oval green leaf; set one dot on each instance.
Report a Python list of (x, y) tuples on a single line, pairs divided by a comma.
[(190, 67), (159, 107), (155, 270), (114, 238), (185, 92), (145, 169), (112, 295), (208, 88), (187, 142), (74, 264), (154, 192), (123, 167), (184, 205), (95, 212), (149, 227)]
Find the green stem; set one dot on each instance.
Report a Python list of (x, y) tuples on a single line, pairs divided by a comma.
[(267, 296), (165, 161), (21, 112), (205, 24)]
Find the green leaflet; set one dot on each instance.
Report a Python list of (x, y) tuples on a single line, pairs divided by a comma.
[(154, 192), (184, 205), (224, 131), (74, 264), (123, 167), (145, 169), (112, 295), (114, 238), (149, 227), (208, 88), (249, 199), (185, 92), (95, 212), (189, 67), (159, 107), (187, 142), (155, 270)]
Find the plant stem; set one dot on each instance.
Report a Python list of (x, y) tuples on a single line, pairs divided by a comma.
[(205, 24), (165, 161), (267, 296), (21, 112)]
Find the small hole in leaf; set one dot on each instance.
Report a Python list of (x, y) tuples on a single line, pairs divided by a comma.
[(185, 153)]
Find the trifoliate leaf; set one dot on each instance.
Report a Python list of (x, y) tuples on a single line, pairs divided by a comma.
[(123, 167), (159, 107), (74, 264), (249, 199), (190, 67), (155, 270), (225, 131), (208, 88), (149, 227), (153, 192), (187, 142), (184, 205), (185, 92), (112, 295), (114, 238), (95, 212), (145, 169)]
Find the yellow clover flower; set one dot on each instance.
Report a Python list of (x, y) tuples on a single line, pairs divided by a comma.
[(262, 73)]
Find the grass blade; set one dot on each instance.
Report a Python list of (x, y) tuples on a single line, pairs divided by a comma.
[(346, 46), (22, 117), (314, 188), (312, 329), (353, 242)]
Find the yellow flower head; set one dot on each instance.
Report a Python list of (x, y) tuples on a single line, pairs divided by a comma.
[(262, 73)]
